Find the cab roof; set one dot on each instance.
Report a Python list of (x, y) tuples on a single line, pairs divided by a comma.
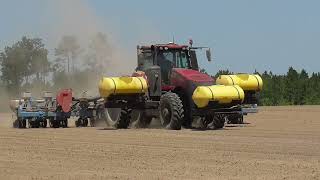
[(169, 46)]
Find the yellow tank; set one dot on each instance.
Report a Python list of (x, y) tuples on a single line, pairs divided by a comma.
[(122, 85), (220, 93), (248, 82)]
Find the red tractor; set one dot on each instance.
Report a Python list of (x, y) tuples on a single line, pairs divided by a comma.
[(168, 85)]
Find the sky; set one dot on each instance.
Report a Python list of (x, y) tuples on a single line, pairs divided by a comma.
[(244, 35)]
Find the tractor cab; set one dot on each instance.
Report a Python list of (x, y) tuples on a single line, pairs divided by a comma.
[(167, 57)]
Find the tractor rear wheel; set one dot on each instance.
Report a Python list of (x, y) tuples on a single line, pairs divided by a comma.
[(171, 111), (118, 118)]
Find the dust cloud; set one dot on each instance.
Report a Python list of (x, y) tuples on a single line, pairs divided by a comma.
[(77, 18)]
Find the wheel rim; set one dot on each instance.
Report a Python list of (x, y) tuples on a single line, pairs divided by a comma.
[(113, 114), (166, 115)]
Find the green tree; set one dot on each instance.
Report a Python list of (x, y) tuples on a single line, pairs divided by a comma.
[(25, 59), (302, 87), (312, 91), (291, 82), (266, 93)]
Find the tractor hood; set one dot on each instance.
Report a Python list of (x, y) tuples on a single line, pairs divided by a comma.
[(180, 77)]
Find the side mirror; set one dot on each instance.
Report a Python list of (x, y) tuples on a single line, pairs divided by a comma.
[(208, 53)]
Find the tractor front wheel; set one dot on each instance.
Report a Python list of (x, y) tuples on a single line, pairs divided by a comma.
[(171, 111)]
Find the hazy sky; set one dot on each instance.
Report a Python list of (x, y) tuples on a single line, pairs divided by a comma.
[(244, 34)]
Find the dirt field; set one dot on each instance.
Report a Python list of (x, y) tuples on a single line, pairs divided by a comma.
[(277, 143)]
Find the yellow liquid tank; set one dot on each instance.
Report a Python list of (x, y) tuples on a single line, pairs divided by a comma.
[(219, 93), (248, 82), (122, 85)]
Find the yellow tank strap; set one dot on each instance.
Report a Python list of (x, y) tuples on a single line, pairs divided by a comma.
[(141, 85), (258, 82), (211, 92), (115, 85), (237, 91), (231, 79)]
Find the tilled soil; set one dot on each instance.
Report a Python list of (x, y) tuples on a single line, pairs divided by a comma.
[(276, 143)]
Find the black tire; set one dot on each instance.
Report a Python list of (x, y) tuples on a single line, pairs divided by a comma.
[(41, 124), (206, 122), (187, 119), (215, 121), (55, 124), (140, 120), (78, 122), (16, 124), (235, 119), (124, 119), (85, 122), (118, 118), (51, 123), (64, 123), (92, 122), (219, 121), (171, 111), (30, 124), (44, 123), (23, 123)]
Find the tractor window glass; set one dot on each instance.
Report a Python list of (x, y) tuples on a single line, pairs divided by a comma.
[(166, 56), (145, 60), (182, 60), (166, 59)]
